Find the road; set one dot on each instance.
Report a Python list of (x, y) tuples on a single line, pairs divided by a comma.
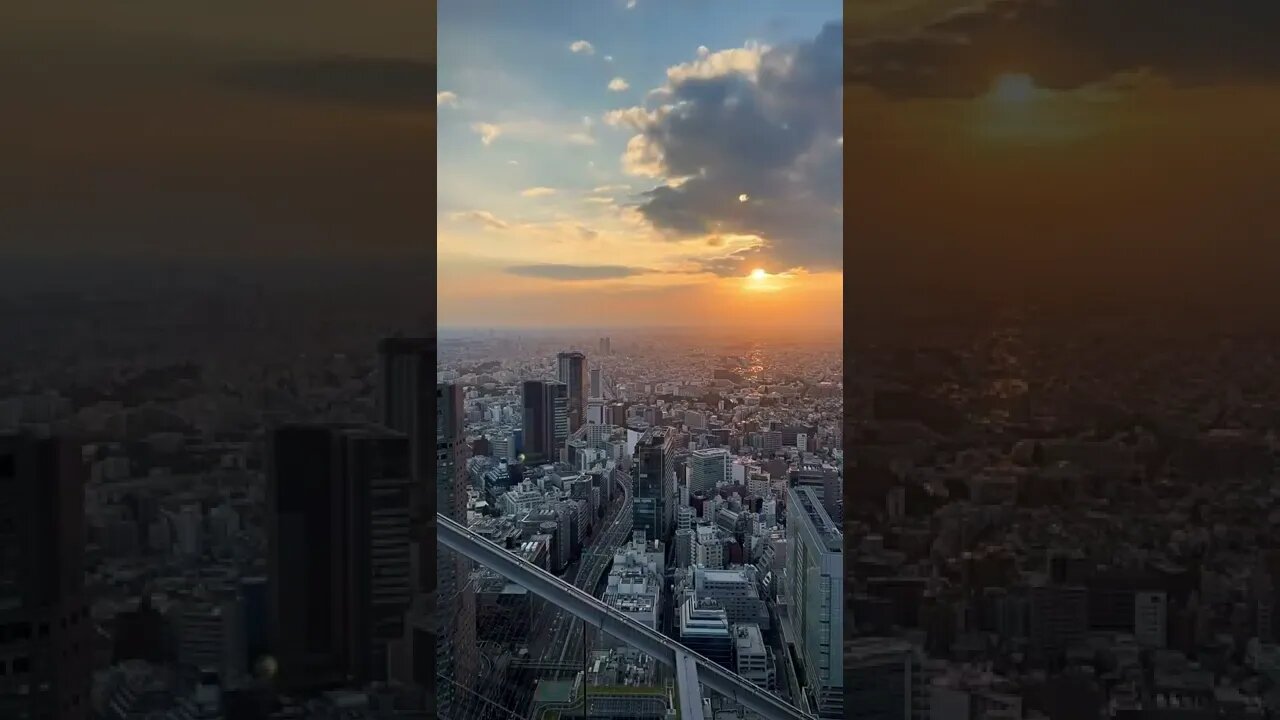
[(566, 631)]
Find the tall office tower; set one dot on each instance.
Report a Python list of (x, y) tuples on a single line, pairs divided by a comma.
[(880, 672), (572, 371), (455, 604), (407, 369), (596, 390), (653, 502), (707, 468), (605, 349), (546, 420), (534, 418), (45, 648), (815, 592), (339, 542)]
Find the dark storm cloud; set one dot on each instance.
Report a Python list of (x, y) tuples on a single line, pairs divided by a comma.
[(1067, 44), (576, 272), (772, 139), (385, 83)]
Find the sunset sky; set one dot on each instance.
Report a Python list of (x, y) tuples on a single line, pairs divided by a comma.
[(235, 130), (1057, 149), (614, 163)]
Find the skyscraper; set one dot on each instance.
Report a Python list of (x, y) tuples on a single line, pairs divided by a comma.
[(545, 421), (815, 592), (455, 606), (339, 541), (46, 644), (596, 389), (572, 372), (653, 504), (707, 468), (403, 401)]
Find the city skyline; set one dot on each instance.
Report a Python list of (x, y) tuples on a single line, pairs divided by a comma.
[(600, 165)]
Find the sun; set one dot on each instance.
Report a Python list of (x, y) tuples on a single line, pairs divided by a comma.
[(759, 274), (1013, 89)]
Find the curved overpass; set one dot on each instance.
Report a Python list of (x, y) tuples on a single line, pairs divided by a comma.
[(691, 668)]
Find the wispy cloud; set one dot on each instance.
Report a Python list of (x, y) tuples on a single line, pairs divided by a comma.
[(446, 98), (631, 4), (537, 131), (482, 217), (618, 84), (577, 273), (537, 192), (582, 47)]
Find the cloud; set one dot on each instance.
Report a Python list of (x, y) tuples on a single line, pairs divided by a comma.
[(582, 47), (558, 133), (577, 273), (631, 4), (1070, 44), (377, 83), (708, 65), (482, 217), (608, 58), (754, 121), (618, 84), (610, 188), (446, 99), (488, 132), (536, 192)]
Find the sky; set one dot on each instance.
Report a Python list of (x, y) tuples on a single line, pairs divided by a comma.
[(293, 129), (1061, 151), (635, 163)]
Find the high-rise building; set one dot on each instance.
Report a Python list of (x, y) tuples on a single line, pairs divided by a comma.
[(1059, 615), (815, 593), (455, 604), (596, 390), (45, 648), (211, 636), (605, 346), (339, 542), (880, 679), (707, 468), (546, 420), (1151, 618), (407, 369), (653, 499), (572, 372)]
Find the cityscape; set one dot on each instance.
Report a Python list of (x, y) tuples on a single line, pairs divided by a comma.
[(1060, 339), (676, 480), (645, 427), (640, 370)]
